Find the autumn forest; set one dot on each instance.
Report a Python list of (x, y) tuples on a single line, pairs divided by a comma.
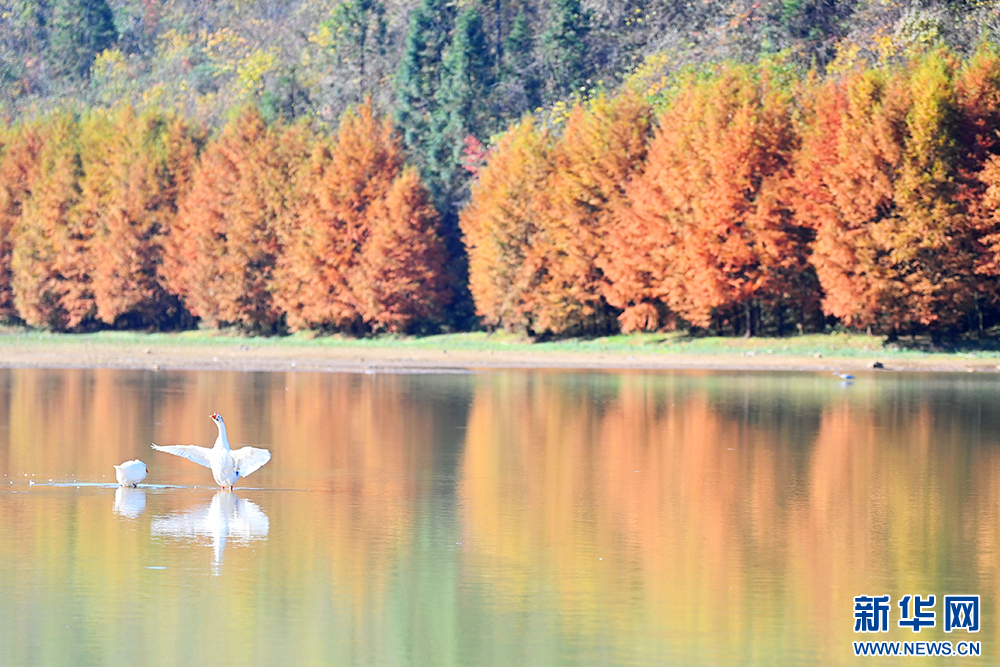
[(849, 181)]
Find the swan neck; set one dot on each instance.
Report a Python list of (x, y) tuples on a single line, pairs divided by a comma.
[(222, 442)]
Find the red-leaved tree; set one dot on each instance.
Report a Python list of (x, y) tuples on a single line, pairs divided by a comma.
[(51, 265), (21, 158), (362, 251), (601, 148), (880, 183), (403, 279), (708, 232), (223, 244)]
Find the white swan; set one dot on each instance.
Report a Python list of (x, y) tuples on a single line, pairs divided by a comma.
[(227, 464), (131, 473)]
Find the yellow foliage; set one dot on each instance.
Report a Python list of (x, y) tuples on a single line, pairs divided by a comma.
[(323, 37), (225, 49), (559, 113), (111, 73), (916, 28), (173, 44), (651, 77), (885, 45), (154, 95), (847, 58), (109, 64), (224, 39), (254, 67)]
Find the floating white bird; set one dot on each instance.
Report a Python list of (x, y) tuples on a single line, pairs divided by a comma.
[(131, 473), (227, 465), (843, 376)]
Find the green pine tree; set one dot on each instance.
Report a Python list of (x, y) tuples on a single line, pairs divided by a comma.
[(520, 67), (419, 76), (564, 47), (463, 107), (360, 27), (519, 44), (78, 31)]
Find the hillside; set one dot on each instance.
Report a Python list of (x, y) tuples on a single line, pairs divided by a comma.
[(373, 165)]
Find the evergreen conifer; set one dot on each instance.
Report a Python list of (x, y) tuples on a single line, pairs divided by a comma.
[(79, 30)]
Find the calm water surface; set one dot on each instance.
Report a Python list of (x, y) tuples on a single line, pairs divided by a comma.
[(497, 518)]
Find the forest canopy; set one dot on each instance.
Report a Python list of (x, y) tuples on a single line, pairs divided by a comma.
[(558, 167)]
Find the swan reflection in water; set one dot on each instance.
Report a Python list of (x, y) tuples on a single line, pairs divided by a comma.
[(227, 517), (129, 502)]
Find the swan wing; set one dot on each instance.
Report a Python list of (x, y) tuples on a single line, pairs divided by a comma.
[(250, 459), (192, 453), (249, 521)]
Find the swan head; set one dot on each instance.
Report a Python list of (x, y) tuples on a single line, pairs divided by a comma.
[(217, 418)]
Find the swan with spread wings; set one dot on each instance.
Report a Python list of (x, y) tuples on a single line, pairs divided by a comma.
[(227, 464)]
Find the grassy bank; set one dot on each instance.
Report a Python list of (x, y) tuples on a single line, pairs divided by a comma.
[(229, 350)]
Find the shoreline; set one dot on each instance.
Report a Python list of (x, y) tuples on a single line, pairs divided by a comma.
[(457, 353)]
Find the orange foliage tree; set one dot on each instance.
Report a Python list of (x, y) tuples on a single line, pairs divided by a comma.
[(602, 146), (135, 168), (540, 212), (50, 262), (318, 268), (501, 221), (404, 280), (880, 183), (874, 197), (978, 97), (708, 232), (19, 164), (363, 250), (223, 244)]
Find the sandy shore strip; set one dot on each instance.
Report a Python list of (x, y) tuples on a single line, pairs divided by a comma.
[(160, 352)]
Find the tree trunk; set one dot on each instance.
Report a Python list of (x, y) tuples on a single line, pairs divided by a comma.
[(979, 319)]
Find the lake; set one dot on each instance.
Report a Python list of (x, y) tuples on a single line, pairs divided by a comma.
[(492, 518)]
